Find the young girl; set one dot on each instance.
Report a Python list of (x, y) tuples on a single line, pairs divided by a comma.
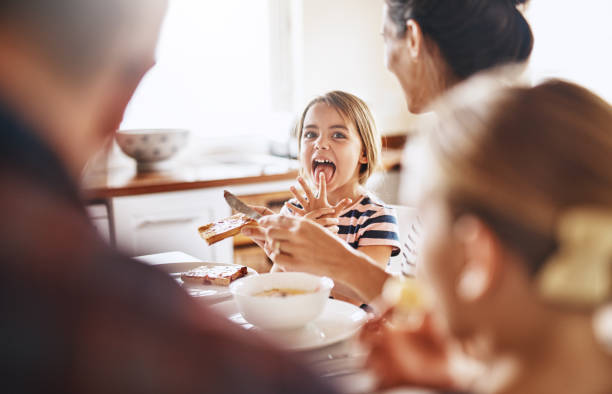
[(339, 149), (516, 214)]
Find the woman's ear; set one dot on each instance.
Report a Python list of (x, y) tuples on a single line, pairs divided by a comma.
[(414, 38), (482, 267)]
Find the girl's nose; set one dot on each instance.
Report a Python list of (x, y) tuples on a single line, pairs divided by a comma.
[(321, 143)]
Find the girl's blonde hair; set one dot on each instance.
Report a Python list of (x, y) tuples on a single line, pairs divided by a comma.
[(519, 158), (355, 110)]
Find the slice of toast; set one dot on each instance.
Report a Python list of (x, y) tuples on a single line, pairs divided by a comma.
[(224, 228), (219, 275)]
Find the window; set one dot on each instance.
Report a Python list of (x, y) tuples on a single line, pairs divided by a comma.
[(216, 72)]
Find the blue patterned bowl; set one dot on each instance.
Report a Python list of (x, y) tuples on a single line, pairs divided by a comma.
[(151, 148)]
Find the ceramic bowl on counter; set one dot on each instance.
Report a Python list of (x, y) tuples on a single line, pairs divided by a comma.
[(281, 300), (151, 148)]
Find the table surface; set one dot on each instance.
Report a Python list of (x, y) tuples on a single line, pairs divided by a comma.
[(342, 363)]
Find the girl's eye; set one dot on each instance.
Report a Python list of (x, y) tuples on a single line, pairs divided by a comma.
[(338, 134), (309, 134)]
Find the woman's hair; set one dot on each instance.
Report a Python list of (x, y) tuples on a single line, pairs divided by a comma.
[(519, 158), (472, 35), (353, 110)]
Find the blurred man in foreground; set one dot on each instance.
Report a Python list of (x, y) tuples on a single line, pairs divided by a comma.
[(77, 317)]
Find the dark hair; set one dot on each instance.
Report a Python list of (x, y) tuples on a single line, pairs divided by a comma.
[(472, 35)]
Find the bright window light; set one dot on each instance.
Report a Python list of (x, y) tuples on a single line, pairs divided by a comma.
[(213, 73), (573, 41)]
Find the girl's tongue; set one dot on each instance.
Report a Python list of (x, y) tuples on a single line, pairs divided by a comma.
[(327, 169)]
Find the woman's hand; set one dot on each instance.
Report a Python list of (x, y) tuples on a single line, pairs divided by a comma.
[(417, 355), (297, 244), (312, 203), (257, 234)]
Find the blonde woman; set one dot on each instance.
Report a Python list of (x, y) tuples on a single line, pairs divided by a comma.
[(517, 245)]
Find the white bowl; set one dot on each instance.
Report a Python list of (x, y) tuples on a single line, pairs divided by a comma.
[(292, 311), (151, 148)]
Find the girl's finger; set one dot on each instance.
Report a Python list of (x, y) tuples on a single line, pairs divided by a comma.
[(307, 189), (295, 210), (334, 229), (318, 213), (328, 222), (299, 196), (322, 188), (343, 204)]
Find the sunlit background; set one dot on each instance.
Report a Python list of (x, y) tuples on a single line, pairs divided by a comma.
[(242, 70)]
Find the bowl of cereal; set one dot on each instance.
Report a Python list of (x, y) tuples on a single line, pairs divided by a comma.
[(281, 300)]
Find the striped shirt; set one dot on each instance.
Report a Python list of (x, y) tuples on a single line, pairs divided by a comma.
[(409, 247), (366, 223)]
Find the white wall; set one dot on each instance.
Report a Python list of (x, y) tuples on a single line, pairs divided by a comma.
[(338, 45), (573, 40)]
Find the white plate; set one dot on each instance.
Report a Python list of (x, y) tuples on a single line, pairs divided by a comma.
[(207, 293), (339, 321)]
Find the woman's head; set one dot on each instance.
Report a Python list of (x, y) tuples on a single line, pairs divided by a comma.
[(431, 44), (507, 166), (338, 137)]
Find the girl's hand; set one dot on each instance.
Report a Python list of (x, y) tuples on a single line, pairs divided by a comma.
[(416, 356), (311, 203), (324, 217)]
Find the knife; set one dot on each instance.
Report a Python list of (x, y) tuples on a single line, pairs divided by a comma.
[(240, 206)]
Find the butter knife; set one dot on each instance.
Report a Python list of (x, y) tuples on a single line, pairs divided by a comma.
[(240, 206)]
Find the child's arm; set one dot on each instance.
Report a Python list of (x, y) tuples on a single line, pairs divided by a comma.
[(379, 253), (379, 238)]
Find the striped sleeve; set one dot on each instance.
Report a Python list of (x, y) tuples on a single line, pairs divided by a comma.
[(380, 229), (409, 251)]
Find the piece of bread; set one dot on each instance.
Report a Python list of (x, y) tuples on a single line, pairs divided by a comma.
[(228, 227), (220, 275)]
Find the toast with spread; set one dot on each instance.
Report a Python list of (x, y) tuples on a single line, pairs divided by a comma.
[(224, 228), (220, 275)]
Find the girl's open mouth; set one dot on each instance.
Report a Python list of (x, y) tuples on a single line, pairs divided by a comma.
[(324, 166)]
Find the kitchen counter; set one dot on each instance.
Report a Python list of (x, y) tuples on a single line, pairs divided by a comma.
[(213, 171)]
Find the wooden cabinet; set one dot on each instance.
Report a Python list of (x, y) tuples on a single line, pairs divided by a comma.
[(98, 214), (162, 222)]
